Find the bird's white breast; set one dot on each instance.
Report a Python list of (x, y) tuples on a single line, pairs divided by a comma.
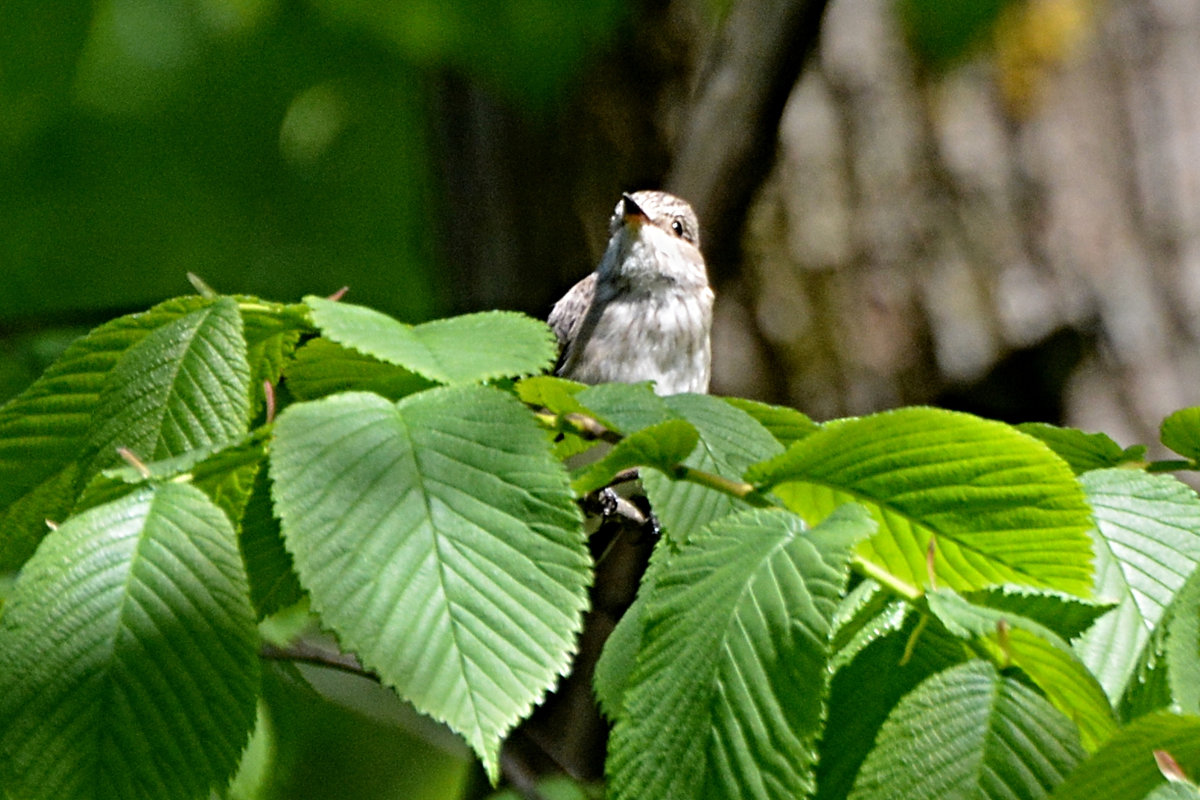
[(660, 336)]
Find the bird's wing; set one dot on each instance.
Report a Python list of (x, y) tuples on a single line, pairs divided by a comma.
[(566, 318)]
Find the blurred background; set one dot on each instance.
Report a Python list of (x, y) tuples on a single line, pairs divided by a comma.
[(991, 205)]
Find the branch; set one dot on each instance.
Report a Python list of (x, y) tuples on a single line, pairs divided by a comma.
[(309, 653)]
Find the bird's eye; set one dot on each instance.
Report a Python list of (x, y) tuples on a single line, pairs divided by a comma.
[(677, 226)]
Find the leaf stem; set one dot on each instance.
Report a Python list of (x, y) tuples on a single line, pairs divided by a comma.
[(739, 489), (879, 574), (911, 645)]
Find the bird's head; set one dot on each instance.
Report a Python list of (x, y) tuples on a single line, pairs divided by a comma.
[(655, 238)]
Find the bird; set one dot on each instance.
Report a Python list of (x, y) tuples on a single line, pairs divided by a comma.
[(645, 313)]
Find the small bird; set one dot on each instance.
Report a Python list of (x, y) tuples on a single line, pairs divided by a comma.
[(645, 314)]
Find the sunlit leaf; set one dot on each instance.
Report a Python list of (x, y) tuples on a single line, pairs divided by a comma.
[(555, 394), (467, 349), (1083, 451), (727, 695), (1147, 544), (1181, 432), (625, 407), (787, 425), (865, 614), (1167, 672), (730, 441), (996, 506), (322, 368), (1183, 646), (1066, 615), (468, 601)]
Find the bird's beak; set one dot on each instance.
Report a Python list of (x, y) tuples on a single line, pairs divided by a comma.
[(631, 210)]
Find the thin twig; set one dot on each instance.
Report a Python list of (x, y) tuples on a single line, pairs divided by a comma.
[(309, 653)]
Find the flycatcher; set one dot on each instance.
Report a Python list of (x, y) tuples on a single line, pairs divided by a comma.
[(645, 314)]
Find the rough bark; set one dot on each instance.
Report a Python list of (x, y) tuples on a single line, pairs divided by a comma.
[(920, 239)]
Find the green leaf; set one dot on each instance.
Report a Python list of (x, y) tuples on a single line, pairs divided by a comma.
[(621, 407), (1147, 544), (867, 613), (1083, 451), (185, 386), (997, 504), (787, 425), (42, 431), (660, 446), (1066, 615), (273, 582), (1124, 769), (727, 695), (228, 475), (969, 732), (467, 349), (730, 441), (625, 407), (1148, 689), (557, 395), (864, 691), (128, 654), (1044, 657), (1183, 646), (550, 392), (272, 331), (224, 473), (1167, 672), (440, 541), (323, 368), (1181, 432), (1175, 791)]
